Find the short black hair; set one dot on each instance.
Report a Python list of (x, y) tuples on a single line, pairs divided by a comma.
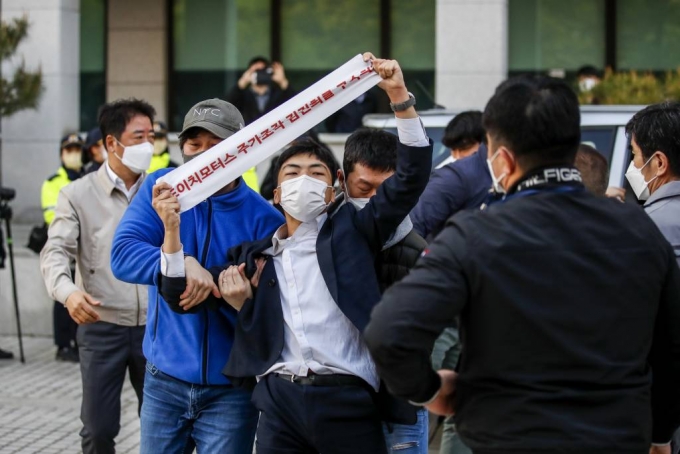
[(373, 148), (190, 133), (657, 128), (594, 169), (258, 59), (538, 119), (588, 71), (312, 147), (465, 130), (114, 116)]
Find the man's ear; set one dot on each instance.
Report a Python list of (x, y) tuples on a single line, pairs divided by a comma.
[(341, 179), (109, 143), (277, 196), (509, 161), (661, 163)]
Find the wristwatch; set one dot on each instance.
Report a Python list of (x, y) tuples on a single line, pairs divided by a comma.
[(401, 106)]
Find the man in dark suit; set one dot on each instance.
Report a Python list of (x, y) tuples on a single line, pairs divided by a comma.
[(569, 302), (299, 333)]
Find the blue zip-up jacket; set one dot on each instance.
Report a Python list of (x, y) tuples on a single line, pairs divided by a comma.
[(193, 347)]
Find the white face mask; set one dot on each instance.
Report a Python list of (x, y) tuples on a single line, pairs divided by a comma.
[(587, 84), (359, 202), (637, 180), (73, 161), (136, 157), (496, 182), (304, 197)]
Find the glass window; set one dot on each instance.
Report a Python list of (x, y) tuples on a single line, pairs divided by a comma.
[(413, 45), (212, 41), (600, 138), (551, 34), (318, 36), (92, 61), (648, 33)]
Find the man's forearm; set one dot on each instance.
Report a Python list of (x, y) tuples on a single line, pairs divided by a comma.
[(171, 241), (56, 271)]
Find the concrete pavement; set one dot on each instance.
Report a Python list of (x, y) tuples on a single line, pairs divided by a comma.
[(40, 403)]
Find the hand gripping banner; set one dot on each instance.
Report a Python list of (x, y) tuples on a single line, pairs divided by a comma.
[(206, 174)]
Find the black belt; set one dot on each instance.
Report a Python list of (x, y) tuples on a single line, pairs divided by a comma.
[(324, 380)]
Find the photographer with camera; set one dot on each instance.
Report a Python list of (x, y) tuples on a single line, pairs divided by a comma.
[(261, 89)]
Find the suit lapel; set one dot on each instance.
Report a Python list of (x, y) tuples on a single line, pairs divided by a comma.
[(324, 254)]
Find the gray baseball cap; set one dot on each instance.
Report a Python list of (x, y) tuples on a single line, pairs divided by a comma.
[(215, 115)]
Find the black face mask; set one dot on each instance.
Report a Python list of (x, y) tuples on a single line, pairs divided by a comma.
[(186, 158)]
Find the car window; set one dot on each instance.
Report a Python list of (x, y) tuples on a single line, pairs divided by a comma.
[(602, 138), (439, 152)]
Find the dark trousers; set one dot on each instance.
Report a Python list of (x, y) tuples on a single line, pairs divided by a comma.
[(64, 327), (107, 351), (305, 419)]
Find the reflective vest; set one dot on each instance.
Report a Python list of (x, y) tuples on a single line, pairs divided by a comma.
[(50, 193), (160, 161), (250, 177)]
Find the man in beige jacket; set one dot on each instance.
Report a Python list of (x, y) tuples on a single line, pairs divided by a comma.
[(111, 313)]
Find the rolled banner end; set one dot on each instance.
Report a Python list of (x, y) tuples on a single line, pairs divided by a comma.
[(203, 176)]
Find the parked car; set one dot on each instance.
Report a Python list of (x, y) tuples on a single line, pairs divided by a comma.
[(601, 126)]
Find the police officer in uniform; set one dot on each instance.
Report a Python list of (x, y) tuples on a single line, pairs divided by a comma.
[(161, 153), (95, 153), (71, 154)]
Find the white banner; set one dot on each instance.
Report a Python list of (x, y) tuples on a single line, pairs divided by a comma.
[(203, 176)]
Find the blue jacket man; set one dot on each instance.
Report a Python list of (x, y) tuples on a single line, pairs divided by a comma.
[(463, 184), (299, 332), (186, 347)]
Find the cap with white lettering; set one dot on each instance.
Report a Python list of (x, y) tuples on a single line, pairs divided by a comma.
[(215, 115)]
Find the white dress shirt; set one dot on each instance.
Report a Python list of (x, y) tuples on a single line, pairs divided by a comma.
[(120, 184), (318, 337)]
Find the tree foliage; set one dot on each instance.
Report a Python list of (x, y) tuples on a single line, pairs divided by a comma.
[(632, 87), (23, 88)]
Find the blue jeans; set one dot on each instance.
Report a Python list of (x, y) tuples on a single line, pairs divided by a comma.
[(176, 416), (407, 439)]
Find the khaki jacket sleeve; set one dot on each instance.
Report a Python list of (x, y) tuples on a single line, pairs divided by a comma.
[(61, 248)]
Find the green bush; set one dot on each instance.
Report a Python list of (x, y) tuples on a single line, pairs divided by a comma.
[(633, 88)]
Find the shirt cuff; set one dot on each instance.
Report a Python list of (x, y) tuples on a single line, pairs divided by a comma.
[(412, 132), (661, 444), (172, 265)]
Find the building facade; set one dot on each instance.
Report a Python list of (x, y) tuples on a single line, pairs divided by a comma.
[(174, 53)]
